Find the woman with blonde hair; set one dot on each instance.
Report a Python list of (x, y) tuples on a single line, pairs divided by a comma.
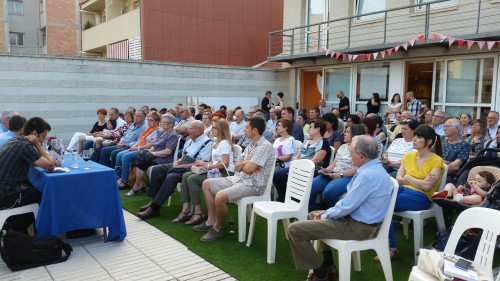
[(222, 164)]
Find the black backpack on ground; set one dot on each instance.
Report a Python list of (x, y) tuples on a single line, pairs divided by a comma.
[(20, 251)]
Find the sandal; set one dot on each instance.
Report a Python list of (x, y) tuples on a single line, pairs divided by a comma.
[(393, 253), (193, 221), (123, 185), (133, 192), (182, 217)]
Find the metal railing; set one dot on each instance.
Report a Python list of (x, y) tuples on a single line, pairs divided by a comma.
[(377, 30)]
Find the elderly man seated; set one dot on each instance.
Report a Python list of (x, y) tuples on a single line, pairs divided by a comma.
[(164, 177), (356, 217), (16, 124), (254, 171)]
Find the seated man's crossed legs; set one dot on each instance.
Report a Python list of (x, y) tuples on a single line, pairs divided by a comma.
[(218, 193)]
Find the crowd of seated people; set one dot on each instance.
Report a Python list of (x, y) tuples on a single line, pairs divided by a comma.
[(415, 154)]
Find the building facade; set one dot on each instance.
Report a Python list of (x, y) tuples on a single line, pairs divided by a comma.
[(221, 32), (39, 27), (446, 52)]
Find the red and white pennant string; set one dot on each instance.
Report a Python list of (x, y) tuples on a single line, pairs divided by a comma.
[(406, 45)]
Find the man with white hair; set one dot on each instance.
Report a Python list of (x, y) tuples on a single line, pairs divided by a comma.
[(181, 128), (6, 115), (492, 123), (455, 151), (437, 122)]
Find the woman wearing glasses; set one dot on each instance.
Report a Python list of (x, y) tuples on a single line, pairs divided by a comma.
[(147, 139)]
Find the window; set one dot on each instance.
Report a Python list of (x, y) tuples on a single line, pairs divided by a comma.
[(16, 39), (369, 6), (15, 7), (469, 81), (337, 79), (317, 12), (440, 4), (372, 78)]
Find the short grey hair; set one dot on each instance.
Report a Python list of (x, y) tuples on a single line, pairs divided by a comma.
[(198, 125), (365, 145), (259, 115), (455, 122), (169, 117), (7, 114), (444, 113)]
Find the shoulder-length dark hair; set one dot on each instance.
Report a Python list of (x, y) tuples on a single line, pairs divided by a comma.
[(396, 94)]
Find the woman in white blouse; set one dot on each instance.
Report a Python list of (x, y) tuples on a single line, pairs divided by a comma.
[(393, 108), (391, 159), (285, 145)]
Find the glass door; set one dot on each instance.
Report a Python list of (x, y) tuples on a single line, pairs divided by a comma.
[(316, 33)]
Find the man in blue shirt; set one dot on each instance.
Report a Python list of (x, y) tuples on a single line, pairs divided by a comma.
[(165, 177), (356, 217), (288, 112), (6, 115), (16, 124)]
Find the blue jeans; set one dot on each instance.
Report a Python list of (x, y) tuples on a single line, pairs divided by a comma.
[(331, 189), (408, 200), (114, 156), (126, 162), (88, 144)]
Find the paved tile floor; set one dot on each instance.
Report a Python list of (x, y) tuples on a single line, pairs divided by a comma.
[(145, 254)]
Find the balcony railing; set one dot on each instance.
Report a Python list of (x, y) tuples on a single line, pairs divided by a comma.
[(382, 29)]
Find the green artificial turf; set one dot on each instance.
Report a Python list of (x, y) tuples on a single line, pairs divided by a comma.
[(249, 263)]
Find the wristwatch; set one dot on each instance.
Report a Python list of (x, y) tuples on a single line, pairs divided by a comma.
[(341, 175)]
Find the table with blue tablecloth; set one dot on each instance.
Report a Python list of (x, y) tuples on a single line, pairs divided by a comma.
[(78, 199)]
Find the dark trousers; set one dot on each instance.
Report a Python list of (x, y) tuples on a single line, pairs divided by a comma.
[(163, 183), (28, 196)]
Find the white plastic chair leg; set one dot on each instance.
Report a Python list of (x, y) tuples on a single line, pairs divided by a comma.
[(440, 218), (344, 265), (406, 223), (242, 222), (356, 258), (385, 260), (251, 230), (286, 223), (418, 237), (271, 240)]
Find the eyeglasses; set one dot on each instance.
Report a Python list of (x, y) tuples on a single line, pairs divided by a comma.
[(437, 116)]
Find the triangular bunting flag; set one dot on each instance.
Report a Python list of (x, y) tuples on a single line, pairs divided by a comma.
[(382, 54), (354, 57), (331, 55), (375, 55), (480, 44), (369, 56), (327, 52), (362, 57), (350, 57), (337, 55), (490, 44), (405, 46), (442, 37), (389, 52), (421, 38), (323, 50), (470, 43), (412, 42), (435, 36), (450, 41), (460, 43), (343, 56), (397, 48)]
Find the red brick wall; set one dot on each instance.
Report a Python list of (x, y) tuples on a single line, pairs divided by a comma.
[(224, 32), (3, 44), (62, 27)]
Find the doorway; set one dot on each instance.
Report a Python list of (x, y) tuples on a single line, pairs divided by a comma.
[(310, 88), (419, 80)]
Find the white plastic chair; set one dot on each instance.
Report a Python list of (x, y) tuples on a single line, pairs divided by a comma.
[(5, 214), (418, 218), (298, 145), (333, 154), (379, 243), (483, 218), (244, 206), (296, 205)]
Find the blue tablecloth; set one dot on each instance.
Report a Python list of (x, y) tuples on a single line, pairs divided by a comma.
[(80, 199)]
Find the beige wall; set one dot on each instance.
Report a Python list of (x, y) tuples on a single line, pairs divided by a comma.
[(4, 33), (111, 31)]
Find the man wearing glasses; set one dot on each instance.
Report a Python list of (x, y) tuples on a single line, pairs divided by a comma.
[(492, 123), (182, 127), (437, 122)]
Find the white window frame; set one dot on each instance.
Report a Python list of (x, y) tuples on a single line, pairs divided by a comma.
[(18, 35), (437, 5), (357, 11), (323, 28), (15, 5)]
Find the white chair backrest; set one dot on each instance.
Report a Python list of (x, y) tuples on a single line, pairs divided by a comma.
[(386, 223), (299, 183), (333, 154), (298, 145), (176, 153), (269, 184), (443, 178), (237, 151), (485, 219)]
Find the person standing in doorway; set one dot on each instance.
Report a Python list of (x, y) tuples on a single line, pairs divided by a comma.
[(415, 106), (266, 104), (343, 105)]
